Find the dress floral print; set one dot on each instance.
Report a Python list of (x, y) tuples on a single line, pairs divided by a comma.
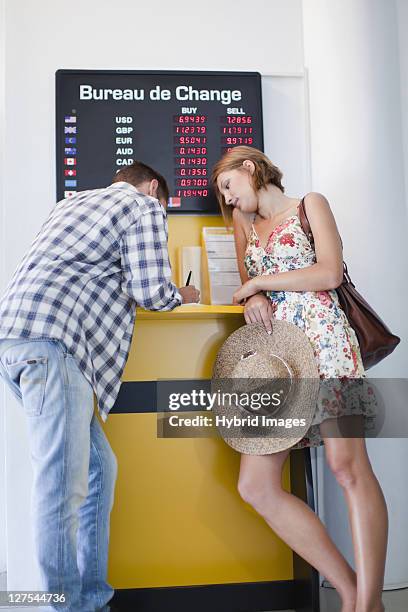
[(320, 316)]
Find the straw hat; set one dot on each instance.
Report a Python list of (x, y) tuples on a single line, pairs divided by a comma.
[(266, 388)]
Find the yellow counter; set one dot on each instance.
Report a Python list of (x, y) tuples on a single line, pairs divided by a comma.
[(178, 519)]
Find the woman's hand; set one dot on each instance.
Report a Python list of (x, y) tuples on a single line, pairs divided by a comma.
[(258, 309), (249, 288)]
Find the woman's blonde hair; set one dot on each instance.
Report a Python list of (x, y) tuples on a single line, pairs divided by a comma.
[(266, 173)]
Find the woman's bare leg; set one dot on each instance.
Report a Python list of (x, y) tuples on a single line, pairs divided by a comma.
[(349, 462), (260, 484)]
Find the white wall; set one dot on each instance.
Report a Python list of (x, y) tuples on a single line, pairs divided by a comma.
[(45, 36), (2, 279), (265, 35), (402, 18), (352, 57), (358, 133)]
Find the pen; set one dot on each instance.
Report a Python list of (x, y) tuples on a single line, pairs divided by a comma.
[(188, 278)]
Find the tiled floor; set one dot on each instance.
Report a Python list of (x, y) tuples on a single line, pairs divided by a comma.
[(394, 601)]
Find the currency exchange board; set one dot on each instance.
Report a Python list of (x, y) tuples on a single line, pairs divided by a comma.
[(180, 123)]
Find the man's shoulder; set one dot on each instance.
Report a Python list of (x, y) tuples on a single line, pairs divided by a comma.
[(143, 202), (119, 192)]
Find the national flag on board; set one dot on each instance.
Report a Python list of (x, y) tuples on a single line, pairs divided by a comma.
[(70, 183), (70, 129), (70, 150), (70, 140), (68, 194), (70, 119), (70, 161), (174, 202), (70, 172)]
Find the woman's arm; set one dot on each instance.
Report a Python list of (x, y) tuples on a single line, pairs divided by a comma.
[(258, 308), (325, 274), (240, 238)]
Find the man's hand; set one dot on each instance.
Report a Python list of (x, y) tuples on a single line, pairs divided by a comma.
[(189, 294), (258, 309)]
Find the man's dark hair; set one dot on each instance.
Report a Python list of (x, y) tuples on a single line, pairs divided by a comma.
[(138, 173)]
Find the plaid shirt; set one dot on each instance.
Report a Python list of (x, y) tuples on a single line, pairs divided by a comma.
[(98, 255)]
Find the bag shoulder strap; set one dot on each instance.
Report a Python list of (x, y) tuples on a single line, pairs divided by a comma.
[(304, 221)]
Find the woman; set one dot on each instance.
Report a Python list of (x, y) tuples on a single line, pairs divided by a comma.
[(284, 277)]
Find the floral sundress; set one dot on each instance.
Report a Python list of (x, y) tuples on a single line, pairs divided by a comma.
[(320, 316)]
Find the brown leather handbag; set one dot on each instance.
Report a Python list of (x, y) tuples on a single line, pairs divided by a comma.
[(375, 339)]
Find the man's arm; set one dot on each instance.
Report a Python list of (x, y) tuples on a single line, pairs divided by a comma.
[(146, 271)]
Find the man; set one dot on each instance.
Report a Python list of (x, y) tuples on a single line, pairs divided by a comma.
[(66, 324)]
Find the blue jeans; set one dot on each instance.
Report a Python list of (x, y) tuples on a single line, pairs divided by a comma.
[(74, 471)]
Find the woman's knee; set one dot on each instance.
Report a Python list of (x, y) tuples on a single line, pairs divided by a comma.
[(259, 495), (347, 468), (260, 479), (345, 474)]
